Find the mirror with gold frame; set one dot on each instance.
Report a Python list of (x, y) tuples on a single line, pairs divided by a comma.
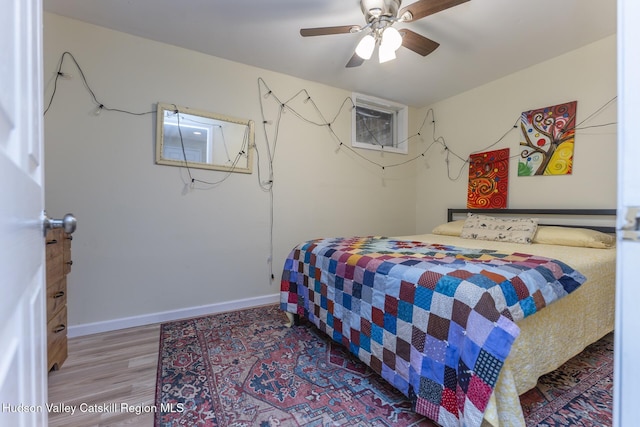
[(193, 138)]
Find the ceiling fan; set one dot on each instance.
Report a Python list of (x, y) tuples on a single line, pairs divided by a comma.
[(380, 16)]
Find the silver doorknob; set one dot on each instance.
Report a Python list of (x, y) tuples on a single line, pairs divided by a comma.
[(68, 223)]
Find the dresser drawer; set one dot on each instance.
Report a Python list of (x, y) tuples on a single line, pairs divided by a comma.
[(56, 297), (57, 339), (55, 243), (66, 252), (55, 269), (55, 257)]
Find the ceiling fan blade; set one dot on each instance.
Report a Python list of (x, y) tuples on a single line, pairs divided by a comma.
[(417, 43), (423, 8), (323, 31), (355, 61)]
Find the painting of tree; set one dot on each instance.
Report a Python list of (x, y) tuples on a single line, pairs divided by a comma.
[(548, 138)]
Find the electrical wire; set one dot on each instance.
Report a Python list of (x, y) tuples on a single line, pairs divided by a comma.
[(271, 143), (100, 105), (271, 150), (453, 176)]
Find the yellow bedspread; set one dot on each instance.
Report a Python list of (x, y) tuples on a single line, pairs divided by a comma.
[(558, 332)]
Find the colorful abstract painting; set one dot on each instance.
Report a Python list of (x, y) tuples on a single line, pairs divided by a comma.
[(548, 136), (488, 179)]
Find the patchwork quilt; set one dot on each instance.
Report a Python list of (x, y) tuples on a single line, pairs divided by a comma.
[(437, 322)]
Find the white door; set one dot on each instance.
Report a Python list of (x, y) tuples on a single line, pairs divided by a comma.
[(23, 346), (627, 334)]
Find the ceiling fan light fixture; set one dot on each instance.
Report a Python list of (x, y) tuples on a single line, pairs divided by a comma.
[(386, 53), (366, 46), (380, 16), (391, 39)]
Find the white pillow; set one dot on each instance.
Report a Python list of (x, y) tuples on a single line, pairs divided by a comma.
[(483, 227)]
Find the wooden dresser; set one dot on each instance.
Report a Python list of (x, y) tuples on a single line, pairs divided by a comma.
[(58, 264)]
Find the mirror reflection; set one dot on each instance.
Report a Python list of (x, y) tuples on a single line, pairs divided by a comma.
[(198, 139)]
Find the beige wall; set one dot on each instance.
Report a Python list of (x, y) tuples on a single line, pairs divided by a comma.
[(143, 247), (473, 120)]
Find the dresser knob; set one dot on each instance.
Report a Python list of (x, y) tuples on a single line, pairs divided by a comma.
[(70, 262), (58, 295), (59, 329)]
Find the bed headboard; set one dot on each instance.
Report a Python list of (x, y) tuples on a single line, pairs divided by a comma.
[(603, 220)]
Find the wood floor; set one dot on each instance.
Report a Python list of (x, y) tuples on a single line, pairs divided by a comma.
[(105, 376)]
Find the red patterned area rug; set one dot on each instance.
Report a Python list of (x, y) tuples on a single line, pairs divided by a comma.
[(247, 369), (579, 393)]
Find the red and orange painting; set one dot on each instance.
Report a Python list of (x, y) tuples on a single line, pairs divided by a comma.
[(488, 179)]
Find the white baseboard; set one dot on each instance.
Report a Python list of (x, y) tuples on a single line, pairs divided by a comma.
[(167, 316)]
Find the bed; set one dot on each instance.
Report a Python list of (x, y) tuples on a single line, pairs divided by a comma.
[(508, 344)]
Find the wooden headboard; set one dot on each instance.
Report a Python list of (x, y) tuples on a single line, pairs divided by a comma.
[(603, 220)]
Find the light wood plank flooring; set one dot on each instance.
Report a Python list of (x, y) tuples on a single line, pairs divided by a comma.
[(104, 371)]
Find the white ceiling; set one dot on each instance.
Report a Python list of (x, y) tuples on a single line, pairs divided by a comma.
[(480, 40)]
